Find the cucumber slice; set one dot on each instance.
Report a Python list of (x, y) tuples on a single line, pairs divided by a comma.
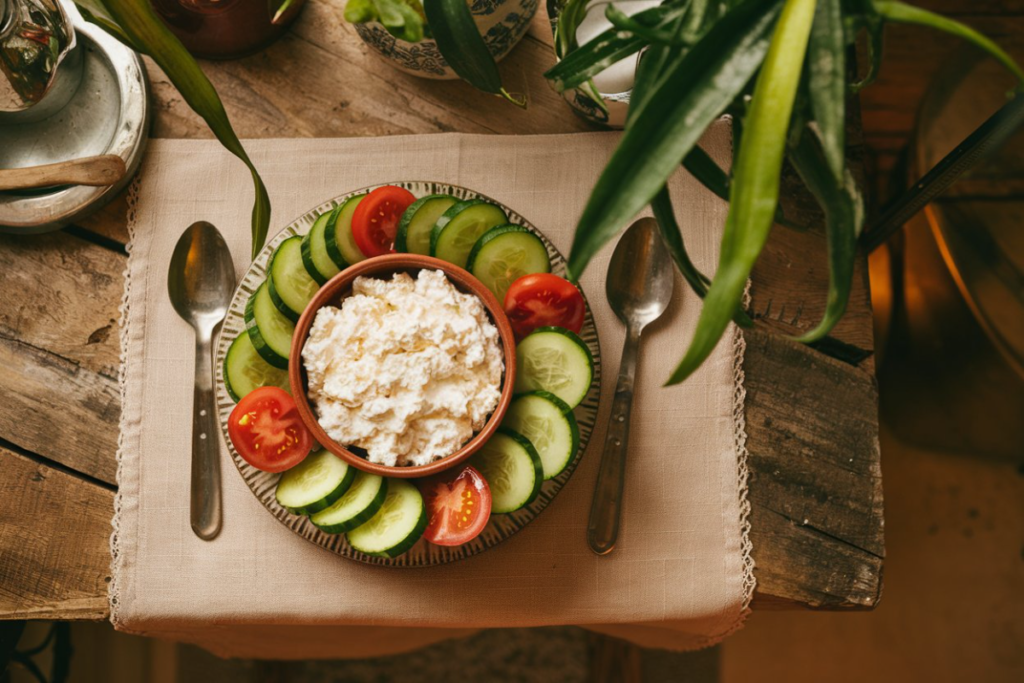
[(555, 360), (270, 332), (245, 370), (314, 252), (418, 222), (341, 246), (357, 505), (550, 426), (315, 483), (504, 254), (512, 468), (291, 287), (458, 229), (397, 525)]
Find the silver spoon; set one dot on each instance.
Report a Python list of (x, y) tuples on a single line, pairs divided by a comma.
[(200, 282), (639, 288)]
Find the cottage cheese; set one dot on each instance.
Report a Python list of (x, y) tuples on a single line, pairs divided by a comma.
[(406, 369)]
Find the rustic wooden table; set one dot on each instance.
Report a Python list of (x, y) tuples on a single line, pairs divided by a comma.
[(815, 480)]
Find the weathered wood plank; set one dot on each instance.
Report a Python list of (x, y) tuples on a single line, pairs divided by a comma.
[(59, 350), (62, 295), (815, 475), (54, 552), (321, 80)]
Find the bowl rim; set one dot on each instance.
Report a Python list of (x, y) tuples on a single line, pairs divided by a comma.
[(376, 267)]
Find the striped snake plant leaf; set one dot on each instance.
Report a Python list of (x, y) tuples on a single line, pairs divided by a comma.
[(691, 93), (754, 193), (459, 40), (826, 75), (140, 24)]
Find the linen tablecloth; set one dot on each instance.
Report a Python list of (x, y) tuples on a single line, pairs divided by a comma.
[(681, 575)]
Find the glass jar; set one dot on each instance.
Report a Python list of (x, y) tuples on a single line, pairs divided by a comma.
[(226, 29)]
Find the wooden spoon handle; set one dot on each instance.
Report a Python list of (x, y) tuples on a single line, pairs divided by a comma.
[(95, 171)]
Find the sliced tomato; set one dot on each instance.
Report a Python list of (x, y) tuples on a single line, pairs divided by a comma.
[(458, 506), (375, 221), (544, 300), (266, 430)]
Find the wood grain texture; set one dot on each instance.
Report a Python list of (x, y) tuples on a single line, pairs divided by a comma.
[(815, 477), (54, 550), (58, 328), (59, 350)]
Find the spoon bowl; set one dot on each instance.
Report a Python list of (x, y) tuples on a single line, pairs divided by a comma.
[(201, 277), (640, 275)]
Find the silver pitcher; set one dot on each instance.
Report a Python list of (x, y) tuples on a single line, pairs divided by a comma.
[(40, 67)]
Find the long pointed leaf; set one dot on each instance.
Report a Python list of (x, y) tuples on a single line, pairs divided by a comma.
[(459, 41), (691, 94), (755, 188), (844, 216), (672, 235), (901, 12), (94, 12), (702, 167), (826, 61), (140, 24)]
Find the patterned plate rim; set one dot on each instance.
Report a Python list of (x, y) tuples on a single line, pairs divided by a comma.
[(423, 554)]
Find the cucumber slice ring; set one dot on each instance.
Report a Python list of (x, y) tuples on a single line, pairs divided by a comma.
[(262, 484)]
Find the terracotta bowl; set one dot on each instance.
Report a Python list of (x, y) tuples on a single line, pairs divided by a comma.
[(339, 287)]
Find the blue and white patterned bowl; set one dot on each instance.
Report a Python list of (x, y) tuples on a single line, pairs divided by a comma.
[(502, 23)]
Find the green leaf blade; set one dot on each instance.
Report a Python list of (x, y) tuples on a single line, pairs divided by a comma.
[(754, 192), (459, 41), (141, 25), (844, 216), (826, 61), (691, 94)]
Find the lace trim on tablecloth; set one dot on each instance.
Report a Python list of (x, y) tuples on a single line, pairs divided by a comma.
[(124, 310)]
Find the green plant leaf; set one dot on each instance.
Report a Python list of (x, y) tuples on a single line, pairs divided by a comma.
[(844, 216), (671, 234), (569, 20), (702, 167), (141, 25), (693, 91), (459, 41), (94, 12), (826, 74), (891, 10), (754, 192), (876, 32), (623, 22)]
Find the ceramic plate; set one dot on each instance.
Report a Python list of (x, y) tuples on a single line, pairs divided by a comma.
[(422, 554)]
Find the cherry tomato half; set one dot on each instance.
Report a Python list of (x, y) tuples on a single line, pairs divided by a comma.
[(543, 300), (266, 430), (458, 506), (375, 221)]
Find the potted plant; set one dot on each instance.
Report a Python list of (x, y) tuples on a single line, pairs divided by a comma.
[(779, 68), (445, 39)]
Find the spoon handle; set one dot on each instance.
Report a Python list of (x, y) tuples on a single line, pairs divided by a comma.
[(605, 511), (205, 500)]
